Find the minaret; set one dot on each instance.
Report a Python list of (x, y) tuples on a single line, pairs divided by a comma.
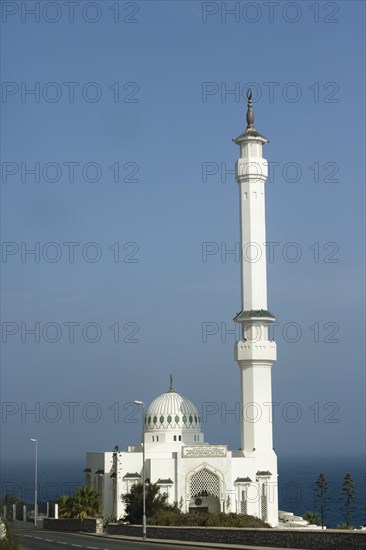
[(255, 353)]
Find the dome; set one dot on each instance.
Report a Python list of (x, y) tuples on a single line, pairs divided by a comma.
[(172, 411)]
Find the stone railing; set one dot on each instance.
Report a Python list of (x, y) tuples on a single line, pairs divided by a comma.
[(282, 538)]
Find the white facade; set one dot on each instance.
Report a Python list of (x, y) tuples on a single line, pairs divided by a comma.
[(192, 472)]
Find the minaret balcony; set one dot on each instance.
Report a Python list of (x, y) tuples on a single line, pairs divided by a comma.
[(263, 350), (251, 169)]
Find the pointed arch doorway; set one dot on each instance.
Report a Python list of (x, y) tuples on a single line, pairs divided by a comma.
[(204, 489)]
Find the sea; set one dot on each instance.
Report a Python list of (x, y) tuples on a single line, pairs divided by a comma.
[(297, 484), (297, 487)]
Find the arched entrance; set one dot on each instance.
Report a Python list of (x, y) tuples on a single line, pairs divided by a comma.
[(204, 491)]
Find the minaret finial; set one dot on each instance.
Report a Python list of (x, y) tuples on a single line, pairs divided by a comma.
[(250, 114), (171, 383)]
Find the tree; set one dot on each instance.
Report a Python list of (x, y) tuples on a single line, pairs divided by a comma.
[(321, 492), (155, 502), (64, 506), (85, 503), (348, 496), (311, 517), (9, 500)]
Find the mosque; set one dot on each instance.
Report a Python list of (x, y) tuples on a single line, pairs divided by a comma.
[(194, 474)]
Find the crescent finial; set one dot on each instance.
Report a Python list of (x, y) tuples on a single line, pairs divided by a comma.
[(250, 114)]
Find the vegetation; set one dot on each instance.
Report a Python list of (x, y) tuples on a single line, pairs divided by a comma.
[(83, 504), (345, 526), (159, 512), (8, 543), (175, 517), (311, 517), (322, 489), (9, 500), (348, 496), (155, 502), (64, 506)]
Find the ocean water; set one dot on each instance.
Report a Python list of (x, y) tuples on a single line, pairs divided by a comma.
[(54, 479), (297, 479)]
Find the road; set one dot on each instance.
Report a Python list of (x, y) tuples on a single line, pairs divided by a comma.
[(31, 539)]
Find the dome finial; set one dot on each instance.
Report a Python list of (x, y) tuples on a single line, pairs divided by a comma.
[(171, 383), (250, 114)]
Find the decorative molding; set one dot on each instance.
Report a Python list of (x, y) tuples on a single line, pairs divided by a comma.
[(204, 450), (210, 469)]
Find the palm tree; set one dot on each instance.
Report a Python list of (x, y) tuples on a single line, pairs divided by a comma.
[(322, 489), (64, 506), (85, 503), (348, 495)]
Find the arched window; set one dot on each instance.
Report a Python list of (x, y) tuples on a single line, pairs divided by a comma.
[(243, 503), (264, 506)]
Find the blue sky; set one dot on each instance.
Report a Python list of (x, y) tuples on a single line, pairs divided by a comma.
[(174, 64)]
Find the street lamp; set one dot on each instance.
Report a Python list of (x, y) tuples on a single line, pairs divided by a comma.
[(142, 405), (35, 483)]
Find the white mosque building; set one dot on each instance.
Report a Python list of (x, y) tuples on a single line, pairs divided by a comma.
[(196, 475)]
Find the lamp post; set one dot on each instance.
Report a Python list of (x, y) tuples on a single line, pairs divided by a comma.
[(35, 483), (142, 405)]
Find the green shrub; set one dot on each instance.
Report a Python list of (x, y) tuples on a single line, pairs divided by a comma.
[(312, 518), (155, 502), (194, 519), (8, 543), (345, 526)]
